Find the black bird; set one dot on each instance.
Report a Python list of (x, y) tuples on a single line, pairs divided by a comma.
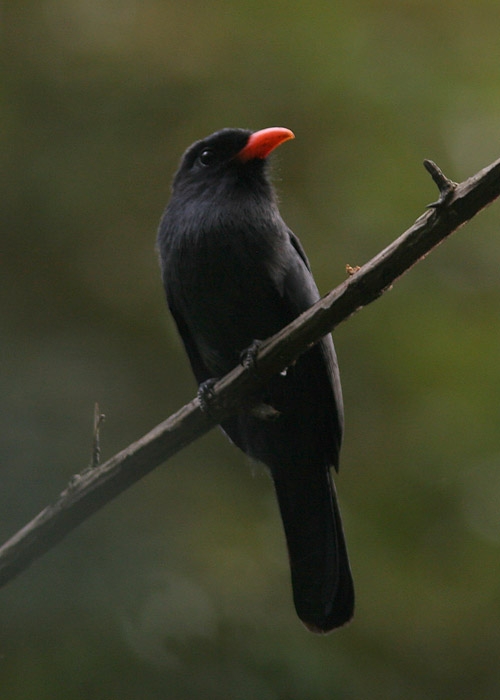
[(233, 272)]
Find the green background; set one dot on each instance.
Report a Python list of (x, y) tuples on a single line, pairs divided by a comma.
[(180, 587)]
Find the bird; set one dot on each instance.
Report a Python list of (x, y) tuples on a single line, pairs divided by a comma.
[(234, 274)]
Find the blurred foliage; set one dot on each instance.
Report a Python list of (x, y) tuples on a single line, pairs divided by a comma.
[(179, 588)]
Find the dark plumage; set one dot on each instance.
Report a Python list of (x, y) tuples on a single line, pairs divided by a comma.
[(234, 272)]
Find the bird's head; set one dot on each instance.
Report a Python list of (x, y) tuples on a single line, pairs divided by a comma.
[(228, 161)]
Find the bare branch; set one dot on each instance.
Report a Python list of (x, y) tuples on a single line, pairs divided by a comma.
[(96, 486)]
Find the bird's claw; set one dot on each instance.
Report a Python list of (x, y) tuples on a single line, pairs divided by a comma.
[(248, 356), (206, 394)]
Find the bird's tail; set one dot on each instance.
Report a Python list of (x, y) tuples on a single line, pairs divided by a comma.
[(323, 589)]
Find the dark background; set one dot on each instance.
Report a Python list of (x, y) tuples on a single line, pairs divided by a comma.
[(179, 588)]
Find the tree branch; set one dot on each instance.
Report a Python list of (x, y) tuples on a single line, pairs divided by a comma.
[(89, 491)]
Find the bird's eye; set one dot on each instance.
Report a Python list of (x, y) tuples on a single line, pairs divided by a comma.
[(207, 157)]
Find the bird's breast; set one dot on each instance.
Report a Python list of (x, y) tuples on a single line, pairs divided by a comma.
[(227, 286)]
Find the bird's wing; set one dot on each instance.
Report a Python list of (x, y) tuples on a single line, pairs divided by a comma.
[(319, 365), (298, 247)]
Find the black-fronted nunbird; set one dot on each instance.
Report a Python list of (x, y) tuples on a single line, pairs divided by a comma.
[(233, 272)]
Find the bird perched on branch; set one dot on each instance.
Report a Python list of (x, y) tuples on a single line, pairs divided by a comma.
[(233, 272)]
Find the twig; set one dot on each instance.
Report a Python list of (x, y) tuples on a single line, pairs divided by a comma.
[(445, 185), (89, 491), (96, 437)]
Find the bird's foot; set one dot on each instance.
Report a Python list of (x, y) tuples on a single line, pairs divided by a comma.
[(445, 185), (206, 394), (248, 356)]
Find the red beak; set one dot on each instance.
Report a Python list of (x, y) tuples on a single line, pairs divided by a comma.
[(261, 143)]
